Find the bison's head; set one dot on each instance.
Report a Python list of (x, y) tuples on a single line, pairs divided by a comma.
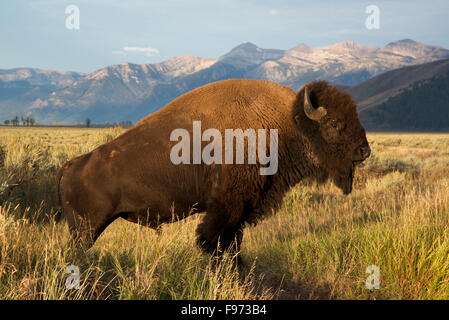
[(328, 119)]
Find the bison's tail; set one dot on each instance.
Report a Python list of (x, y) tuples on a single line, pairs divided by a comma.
[(60, 211)]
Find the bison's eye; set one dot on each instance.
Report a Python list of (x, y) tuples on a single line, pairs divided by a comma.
[(334, 125), (332, 130)]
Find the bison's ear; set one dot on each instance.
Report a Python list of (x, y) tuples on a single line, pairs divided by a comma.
[(310, 111)]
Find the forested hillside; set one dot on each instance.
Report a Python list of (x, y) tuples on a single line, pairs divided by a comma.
[(424, 105)]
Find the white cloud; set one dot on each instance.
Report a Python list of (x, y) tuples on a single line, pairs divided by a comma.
[(147, 51), (273, 12)]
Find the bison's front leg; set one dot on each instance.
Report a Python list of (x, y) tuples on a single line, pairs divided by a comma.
[(221, 229)]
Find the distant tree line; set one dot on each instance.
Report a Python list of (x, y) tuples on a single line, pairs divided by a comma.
[(125, 124), (26, 121), (30, 121)]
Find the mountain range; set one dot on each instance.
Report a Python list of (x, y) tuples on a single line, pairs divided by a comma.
[(130, 91)]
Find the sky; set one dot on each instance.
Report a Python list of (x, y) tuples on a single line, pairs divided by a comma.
[(40, 34)]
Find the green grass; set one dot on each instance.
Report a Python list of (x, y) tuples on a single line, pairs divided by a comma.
[(316, 246)]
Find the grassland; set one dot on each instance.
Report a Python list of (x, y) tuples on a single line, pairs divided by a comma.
[(316, 246)]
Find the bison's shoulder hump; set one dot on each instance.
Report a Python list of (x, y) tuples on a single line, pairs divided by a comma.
[(225, 96), (226, 91)]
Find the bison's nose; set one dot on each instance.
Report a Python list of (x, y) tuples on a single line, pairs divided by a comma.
[(365, 152)]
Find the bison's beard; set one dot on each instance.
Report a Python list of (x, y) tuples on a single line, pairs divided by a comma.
[(345, 178)]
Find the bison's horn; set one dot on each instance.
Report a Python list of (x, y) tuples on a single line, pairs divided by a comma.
[(310, 111)]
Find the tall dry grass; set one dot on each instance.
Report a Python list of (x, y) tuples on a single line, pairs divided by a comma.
[(317, 245)]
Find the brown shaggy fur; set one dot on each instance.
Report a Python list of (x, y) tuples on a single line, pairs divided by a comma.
[(132, 176)]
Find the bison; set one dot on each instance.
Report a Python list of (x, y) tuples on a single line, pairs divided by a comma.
[(134, 178)]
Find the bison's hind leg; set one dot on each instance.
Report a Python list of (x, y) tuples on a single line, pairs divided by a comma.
[(143, 218), (85, 229)]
